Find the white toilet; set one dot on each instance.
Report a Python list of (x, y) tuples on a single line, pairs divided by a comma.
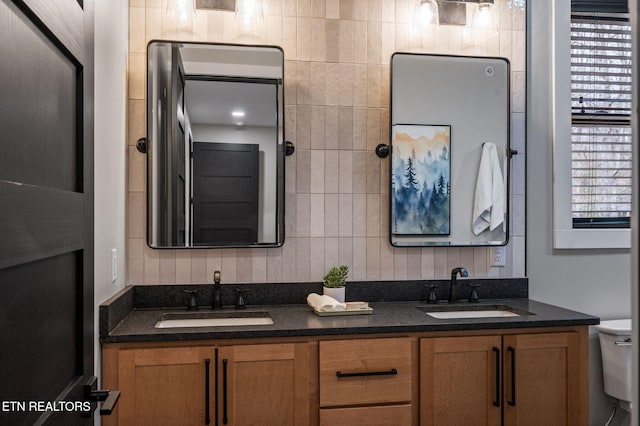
[(615, 344)]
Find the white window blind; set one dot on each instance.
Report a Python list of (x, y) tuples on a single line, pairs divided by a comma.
[(601, 130)]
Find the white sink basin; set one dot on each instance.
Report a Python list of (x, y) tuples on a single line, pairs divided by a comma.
[(472, 311), (214, 319), (472, 314)]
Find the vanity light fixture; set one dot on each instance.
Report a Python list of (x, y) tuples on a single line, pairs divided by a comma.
[(516, 5), (249, 12), (182, 10), (227, 5), (483, 16), (454, 12), (425, 14), (237, 113), (485, 5)]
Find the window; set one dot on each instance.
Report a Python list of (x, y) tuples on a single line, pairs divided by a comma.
[(591, 71), (600, 120)]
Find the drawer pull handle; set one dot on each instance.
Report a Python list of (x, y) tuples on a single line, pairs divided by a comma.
[(391, 372)]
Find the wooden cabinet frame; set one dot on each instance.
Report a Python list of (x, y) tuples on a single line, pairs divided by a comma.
[(302, 355), (517, 377), (264, 384)]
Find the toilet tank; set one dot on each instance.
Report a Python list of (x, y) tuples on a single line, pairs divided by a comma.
[(615, 344)]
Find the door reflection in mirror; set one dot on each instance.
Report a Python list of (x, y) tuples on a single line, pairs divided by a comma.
[(215, 160)]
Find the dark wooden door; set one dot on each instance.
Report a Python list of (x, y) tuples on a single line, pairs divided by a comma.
[(46, 210), (225, 193), (177, 153)]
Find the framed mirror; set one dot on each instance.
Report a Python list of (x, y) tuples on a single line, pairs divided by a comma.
[(450, 150), (215, 145)]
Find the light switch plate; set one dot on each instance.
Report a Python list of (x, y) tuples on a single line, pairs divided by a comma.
[(114, 265)]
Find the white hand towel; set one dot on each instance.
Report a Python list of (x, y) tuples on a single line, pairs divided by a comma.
[(489, 202), (323, 303)]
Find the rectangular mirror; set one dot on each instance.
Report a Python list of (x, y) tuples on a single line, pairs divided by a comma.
[(215, 145), (448, 113)]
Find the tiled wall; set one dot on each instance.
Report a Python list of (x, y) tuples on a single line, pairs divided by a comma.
[(337, 110)]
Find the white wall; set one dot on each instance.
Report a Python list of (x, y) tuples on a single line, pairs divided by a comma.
[(597, 282), (111, 52)]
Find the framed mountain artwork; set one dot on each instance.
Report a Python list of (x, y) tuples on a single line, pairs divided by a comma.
[(420, 179)]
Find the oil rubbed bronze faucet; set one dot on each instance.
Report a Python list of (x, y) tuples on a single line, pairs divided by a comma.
[(217, 297), (454, 274)]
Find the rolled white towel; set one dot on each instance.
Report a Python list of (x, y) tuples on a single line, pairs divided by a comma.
[(323, 303)]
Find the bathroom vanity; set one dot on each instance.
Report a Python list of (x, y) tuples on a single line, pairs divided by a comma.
[(396, 366)]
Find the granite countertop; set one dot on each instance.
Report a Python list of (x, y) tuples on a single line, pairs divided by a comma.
[(291, 320)]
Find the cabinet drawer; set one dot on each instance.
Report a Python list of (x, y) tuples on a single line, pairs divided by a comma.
[(365, 371), (390, 415)]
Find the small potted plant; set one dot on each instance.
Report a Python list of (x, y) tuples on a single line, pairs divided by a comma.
[(335, 281)]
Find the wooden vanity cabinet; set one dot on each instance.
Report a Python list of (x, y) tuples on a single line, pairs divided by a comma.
[(163, 386), (511, 379), (494, 377), (261, 385), (458, 381), (366, 382), (265, 385), (545, 379)]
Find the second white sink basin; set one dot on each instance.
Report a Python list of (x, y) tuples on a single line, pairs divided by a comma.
[(472, 314), (214, 319), (472, 311)]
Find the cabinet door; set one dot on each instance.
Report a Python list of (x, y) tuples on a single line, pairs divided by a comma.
[(166, 386), (545, 379), (264, 385), (460, 381)]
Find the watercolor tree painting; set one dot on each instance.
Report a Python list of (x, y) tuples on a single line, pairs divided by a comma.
[(420, 179)]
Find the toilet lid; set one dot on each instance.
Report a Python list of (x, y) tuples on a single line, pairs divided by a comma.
[(617, 327)]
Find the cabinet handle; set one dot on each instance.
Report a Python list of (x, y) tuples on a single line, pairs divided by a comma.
[(367, 373), (216, 387), (512, 351), (207, 417), (225, 419), (497, 353)]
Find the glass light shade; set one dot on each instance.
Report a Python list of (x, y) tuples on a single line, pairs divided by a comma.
[(182, 10), (249, 12), (483, 16), (425, 14), (517, 4)]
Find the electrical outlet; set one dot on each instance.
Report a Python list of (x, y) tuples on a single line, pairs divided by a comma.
[(114, 265), (499, 254)]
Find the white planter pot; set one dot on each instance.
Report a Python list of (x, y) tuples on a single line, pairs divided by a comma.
[(337, 293)]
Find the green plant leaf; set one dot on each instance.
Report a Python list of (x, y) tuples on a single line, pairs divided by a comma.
[(336, 277)]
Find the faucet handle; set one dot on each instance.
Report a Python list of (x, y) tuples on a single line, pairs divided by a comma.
[(193, 302), (432, 297), (473, 297), (240, 301)]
